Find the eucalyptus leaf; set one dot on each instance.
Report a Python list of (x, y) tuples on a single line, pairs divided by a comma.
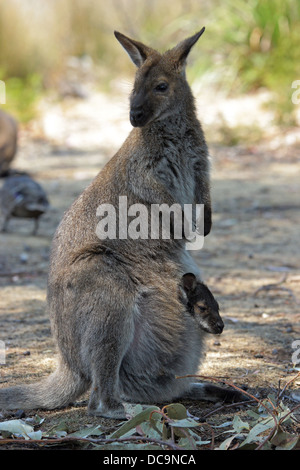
[(35, 420), (187, 443), (35, 435), (223, 425), (258, 429), (86, 432), (226, 444), (176, 411), (59, 430), (184, 423), (152, 431), (126, 446), (192, 442), (17, 427), (133, 422), (285, 441), (239, 425)]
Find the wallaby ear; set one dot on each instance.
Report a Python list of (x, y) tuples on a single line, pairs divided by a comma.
[(189, 281), (137, 51), (182, 50)]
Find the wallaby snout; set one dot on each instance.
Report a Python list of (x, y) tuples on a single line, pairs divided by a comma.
[(148, 105), (138, 117), (215, 326), (219, 327)]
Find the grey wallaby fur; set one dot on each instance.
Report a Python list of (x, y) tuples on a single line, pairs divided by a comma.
[(21, 196), (202, 305), (114, 305), (8, 141)]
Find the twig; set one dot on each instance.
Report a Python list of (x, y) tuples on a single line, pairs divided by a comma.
[(276, 285), (212, 445), (215, 379), (261, 445), (286, 385), (169, 420), (289, 413), (273, 285), (271, 412), (228, 405), (57, 441)]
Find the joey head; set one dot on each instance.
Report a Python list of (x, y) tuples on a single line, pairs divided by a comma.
[(202, 305)]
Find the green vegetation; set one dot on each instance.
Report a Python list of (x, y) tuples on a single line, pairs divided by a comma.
[(248, 44), (268, 424), (22, 95), (261, 48)]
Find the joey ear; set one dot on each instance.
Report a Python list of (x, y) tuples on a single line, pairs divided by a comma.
[(137, 51), (182, 50), (189, 281)]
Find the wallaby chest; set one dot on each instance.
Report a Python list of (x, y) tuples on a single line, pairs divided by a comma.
[(175, 168)]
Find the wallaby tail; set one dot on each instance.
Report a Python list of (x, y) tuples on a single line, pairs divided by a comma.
[(56, 391)]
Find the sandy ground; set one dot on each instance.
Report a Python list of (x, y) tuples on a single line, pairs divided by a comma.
[(254, 244)]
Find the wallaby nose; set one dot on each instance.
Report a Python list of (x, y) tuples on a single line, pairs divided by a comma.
[(220, 327), (136, 116)]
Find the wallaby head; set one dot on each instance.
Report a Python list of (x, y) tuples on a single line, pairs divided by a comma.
[(160, 87), (202, 304)]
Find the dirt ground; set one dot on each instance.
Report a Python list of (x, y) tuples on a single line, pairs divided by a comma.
[(253, 245)]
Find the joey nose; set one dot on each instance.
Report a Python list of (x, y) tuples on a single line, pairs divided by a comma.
[(220, 327)]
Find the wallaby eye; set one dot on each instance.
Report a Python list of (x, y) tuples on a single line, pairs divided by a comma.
[(202, 308), (163, 86)]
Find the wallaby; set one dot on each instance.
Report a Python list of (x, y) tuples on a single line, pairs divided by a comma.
[(21, 196), (8, 141), (116, 315), (202, 305)]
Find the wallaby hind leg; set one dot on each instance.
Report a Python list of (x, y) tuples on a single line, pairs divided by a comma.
[(111, 339), (5, 223), (213, 393), (105, 396), (101, 404)]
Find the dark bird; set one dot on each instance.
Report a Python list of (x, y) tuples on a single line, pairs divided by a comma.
[(21, 196)]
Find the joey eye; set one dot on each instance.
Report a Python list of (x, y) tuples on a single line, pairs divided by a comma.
[(201, 308), (161, 87)]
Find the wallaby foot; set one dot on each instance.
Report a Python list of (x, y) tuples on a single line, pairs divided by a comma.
[(35, 227), (103, 402), (213, 393), (107, 409), (5, 225)]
